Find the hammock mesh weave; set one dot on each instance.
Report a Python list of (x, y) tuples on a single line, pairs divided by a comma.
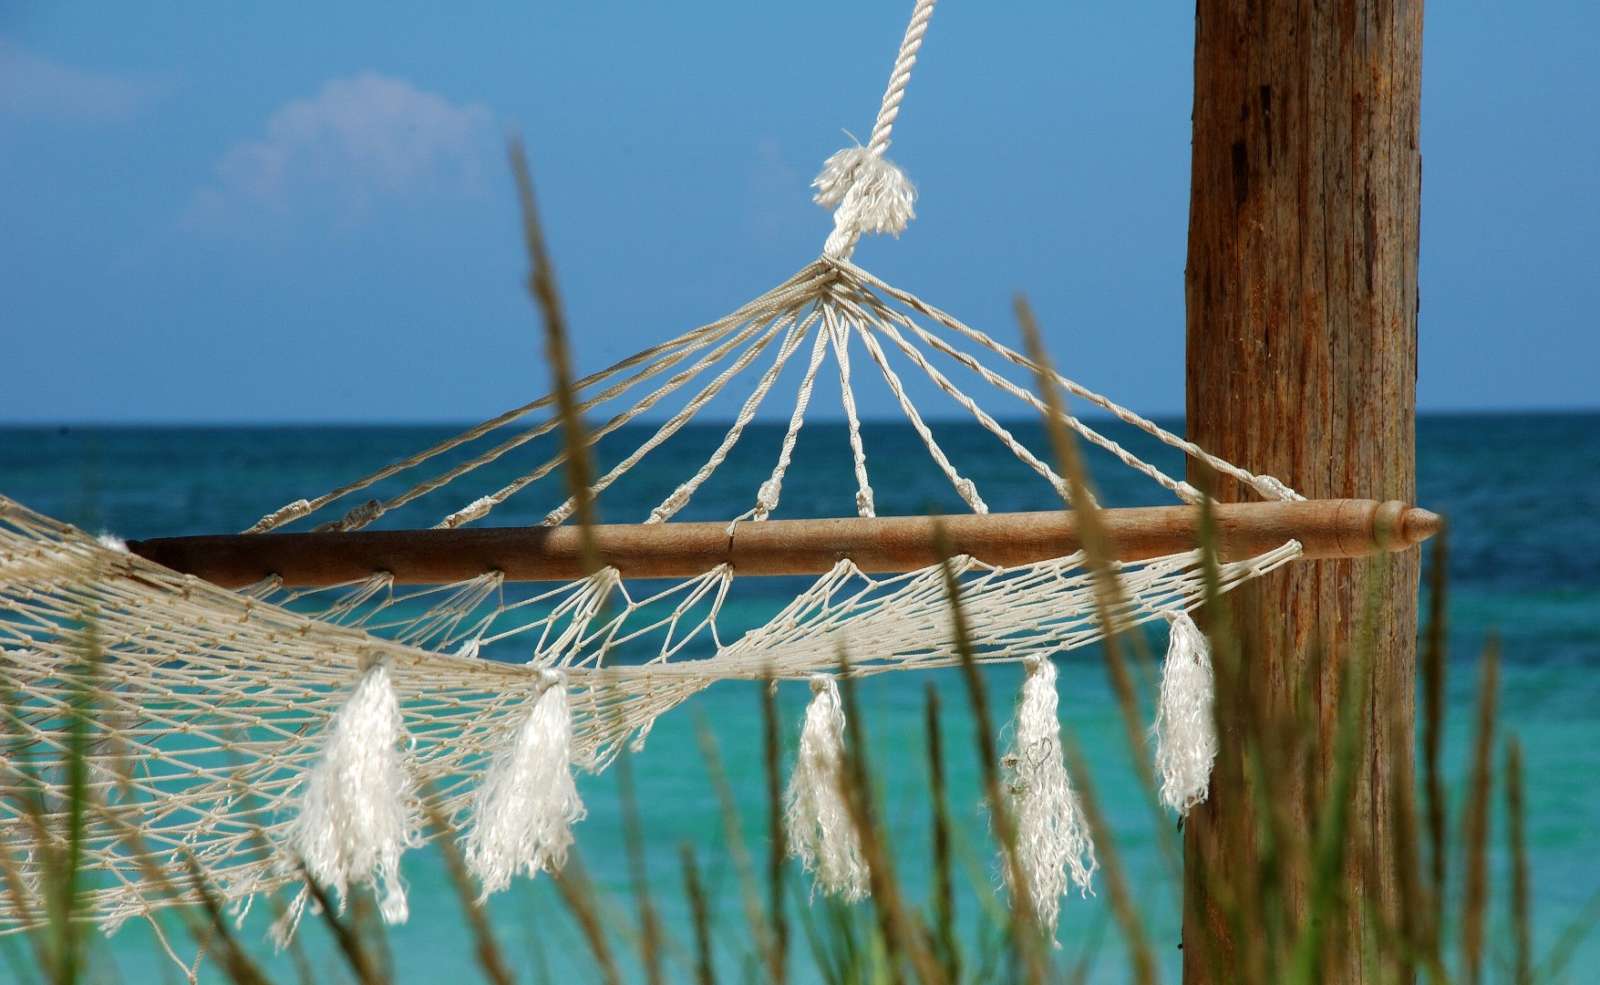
[(207, 704)]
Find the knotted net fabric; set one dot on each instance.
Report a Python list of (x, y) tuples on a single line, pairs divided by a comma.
[(201, 713), (209, 705)]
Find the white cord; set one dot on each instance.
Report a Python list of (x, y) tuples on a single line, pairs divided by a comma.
[(867, 192)]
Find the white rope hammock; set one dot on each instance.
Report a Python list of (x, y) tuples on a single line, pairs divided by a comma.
[(247, 729)]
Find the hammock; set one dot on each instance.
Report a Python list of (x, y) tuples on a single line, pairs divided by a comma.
[(315, 695)]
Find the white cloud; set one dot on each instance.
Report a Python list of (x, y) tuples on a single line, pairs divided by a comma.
[(354, 143), (34, 86)]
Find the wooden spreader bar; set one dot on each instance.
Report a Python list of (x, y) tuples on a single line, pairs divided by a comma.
[(1329, 528)]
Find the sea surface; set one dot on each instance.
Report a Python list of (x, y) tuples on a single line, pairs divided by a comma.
[(1522, 493)]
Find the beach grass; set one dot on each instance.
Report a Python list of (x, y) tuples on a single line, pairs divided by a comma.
[(1448, 877), (972, 927)]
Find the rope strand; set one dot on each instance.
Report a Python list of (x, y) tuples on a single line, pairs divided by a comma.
[(867, 192), (900, 77)]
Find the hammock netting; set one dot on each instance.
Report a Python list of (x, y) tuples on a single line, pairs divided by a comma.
[(209, 708), (210, 701)]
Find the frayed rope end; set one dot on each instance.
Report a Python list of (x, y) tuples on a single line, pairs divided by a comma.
[(358, 810), (1053, 844), (525, 809), (821, 832), (868, 194), (1185, 730)]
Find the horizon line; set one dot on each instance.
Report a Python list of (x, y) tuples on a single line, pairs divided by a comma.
[(313, 423)]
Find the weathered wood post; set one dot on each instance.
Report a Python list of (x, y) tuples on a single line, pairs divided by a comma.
[(1302, 315)]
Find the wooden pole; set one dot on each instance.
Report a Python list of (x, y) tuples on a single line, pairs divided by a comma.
[(1301, 293), (1331, 528)]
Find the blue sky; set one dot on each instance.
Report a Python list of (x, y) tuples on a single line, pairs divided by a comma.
[(279, 212)]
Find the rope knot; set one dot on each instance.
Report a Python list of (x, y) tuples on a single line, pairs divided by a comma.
[(479, 507), (282, 515), (968, 491), (767, 496), (1273, 488), (868, 194), (357, 518), (672, 504)]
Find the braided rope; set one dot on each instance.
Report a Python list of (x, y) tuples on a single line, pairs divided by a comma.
[(561, 513), (798, 286), (885, 318), (767, 496), (482, 506), (680, 496), (868, 193), (209, 696), (900, 76), (964, 487), (847, 399), (1268, 486)]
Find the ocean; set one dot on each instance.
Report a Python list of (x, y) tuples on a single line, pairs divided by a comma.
[(1522, 493)]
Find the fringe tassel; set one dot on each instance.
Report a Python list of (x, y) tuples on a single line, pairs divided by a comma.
[(284, 927), (358, 812), (523, 814), (1052, 835), (1185, 731), (821, 832)]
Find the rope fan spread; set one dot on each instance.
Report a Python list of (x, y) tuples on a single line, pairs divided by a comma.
[(279, 699)]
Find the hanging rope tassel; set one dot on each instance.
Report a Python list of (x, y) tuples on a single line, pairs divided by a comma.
[(1185, 730), (358, 812), (821, 832), (1052, 836), (523, 815)]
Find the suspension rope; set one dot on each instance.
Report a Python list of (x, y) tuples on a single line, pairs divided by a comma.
[(867, 192)]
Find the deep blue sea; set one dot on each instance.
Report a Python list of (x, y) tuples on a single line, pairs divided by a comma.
[(1522, 493)]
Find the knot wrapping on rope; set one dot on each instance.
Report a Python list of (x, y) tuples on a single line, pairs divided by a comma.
[(479, 507), (672, 504), (968, 491), (864, 504), (360, 516), (868, 194), (1274, 488), (282, 515), (767, 497)]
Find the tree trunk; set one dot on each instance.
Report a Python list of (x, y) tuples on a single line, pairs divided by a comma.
[(1301, 291)]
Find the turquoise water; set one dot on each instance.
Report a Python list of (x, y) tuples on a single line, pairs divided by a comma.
[(1523, 494)]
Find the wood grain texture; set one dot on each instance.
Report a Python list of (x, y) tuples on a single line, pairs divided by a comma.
[(1301, 291), (1332, 528)]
